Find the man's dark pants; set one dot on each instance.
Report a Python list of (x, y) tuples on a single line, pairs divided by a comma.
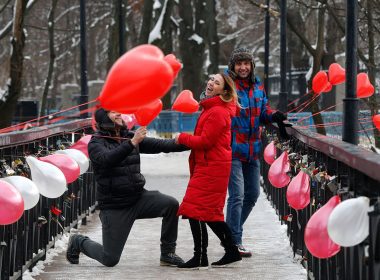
[(117, 223)]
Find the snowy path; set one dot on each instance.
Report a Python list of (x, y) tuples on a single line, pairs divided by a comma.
[(272, 257)]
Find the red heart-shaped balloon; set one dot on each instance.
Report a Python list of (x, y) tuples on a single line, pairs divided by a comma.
[(376, 121), (82, 144), (317, 239), (137, 78), (174, 63), (270, 153), (337, 74), (328, 87), (185, 102), (298, 191), (146, 114), (364, 87), (11, 204), (277, 173), (66, 164), (320, 82)]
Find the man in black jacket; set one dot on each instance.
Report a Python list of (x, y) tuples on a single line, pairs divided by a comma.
[(115, 155)]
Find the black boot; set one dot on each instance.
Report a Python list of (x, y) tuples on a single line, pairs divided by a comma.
[(72, 252), (200, 236), (196, 262), (231, 258)]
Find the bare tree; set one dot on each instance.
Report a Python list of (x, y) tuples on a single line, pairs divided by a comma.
[(52, 57), (13, 91), (212, 37), (192, 43)]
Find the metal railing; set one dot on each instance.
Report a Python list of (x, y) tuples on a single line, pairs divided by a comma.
[(25, 242), (357, 173)]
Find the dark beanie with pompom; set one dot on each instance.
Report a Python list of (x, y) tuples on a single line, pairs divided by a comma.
[(241, 54)]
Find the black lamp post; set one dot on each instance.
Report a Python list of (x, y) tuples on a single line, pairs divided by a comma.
[(283, 96), (83, 59), (121, 10), (266, 46), (350, 109)]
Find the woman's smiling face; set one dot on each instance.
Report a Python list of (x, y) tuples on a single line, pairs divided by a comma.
[(215, 85)]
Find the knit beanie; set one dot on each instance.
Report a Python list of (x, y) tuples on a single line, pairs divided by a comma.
[(241, 54), (102, 119)]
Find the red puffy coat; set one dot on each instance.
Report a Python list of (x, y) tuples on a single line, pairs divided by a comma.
[(209, 161)]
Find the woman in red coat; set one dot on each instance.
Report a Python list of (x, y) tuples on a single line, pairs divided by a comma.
[(210, 164)]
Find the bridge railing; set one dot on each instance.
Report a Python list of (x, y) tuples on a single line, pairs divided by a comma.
[(26, 241), (357, 173)]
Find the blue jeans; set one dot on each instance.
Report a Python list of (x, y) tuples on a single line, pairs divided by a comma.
[(243, 190)]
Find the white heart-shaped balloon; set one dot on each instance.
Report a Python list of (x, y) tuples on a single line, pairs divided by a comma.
[(49, 179), (348, 224), (27, 188)]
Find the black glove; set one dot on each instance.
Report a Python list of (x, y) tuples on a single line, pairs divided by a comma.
[(279, 118)]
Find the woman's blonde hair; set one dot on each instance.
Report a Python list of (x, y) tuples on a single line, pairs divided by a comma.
[(229, 87)]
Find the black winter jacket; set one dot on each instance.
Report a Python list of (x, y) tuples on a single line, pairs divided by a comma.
[(117, 166)]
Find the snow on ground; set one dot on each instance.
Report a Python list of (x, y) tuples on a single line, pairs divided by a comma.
[(264, 234)]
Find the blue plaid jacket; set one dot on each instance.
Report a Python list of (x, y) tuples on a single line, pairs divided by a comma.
[(246, 126)]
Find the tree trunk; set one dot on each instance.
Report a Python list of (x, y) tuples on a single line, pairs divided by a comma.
[(192, 44), (13, 91), (147, 22), (165, 43), (52, 57), (5, 31), (132, 34), (212, 37), (113, 42), (317, 60)]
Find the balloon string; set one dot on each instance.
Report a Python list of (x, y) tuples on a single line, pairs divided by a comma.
[(363, 130), (103, 136), (6, 129), (334, 123), (304, 105), (295, 100), (24, 127), (300, 120), (56, 220), (308, 102)]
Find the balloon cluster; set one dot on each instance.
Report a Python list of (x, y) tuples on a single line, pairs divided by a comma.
[(49, 177), (333, 225), (337, 75), (137, 81)]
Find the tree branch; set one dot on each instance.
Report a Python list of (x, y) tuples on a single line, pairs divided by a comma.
[(273, 12), (4, 6), (5, 31)]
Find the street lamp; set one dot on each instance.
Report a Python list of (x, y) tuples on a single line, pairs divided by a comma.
[(121, 10), (266, 46), (350, 108), (283, 95), (83, 59)]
